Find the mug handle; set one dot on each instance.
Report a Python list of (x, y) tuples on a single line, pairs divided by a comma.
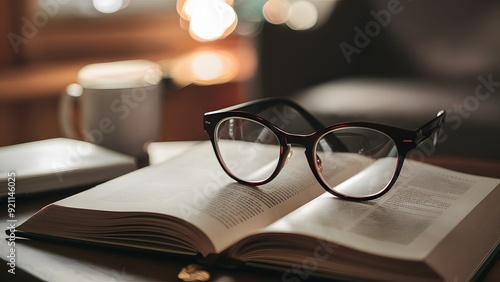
[(67, 108)]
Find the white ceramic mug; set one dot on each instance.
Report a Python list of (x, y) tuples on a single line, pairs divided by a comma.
[(118, 105)]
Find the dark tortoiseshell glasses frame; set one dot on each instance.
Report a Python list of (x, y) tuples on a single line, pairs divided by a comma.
[(404, 140)]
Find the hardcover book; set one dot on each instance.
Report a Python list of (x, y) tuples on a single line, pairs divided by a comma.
[(59, 163)]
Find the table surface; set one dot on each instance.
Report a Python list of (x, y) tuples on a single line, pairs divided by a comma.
[(52, 261)]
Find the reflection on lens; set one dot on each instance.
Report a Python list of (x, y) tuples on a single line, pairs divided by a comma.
[(356, 161), (248, 149)]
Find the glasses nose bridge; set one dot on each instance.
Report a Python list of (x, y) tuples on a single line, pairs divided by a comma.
[(305, 141)]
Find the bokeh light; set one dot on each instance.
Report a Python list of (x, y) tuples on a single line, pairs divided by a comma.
[(208, 19), (302, 15), (212, 64), (207, 65), (276, 11), (109, 6)]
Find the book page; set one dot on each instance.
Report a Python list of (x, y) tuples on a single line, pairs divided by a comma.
[(425, 204), (194, 188)]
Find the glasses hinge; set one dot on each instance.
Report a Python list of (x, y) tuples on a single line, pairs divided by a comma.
[(420, 137)]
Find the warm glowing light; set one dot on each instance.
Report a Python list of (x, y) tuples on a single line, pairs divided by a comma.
[(303, 15), (180, 8), (109, 6), (189, 7), (208, 19), (207, 65), (276, 11), (211, 19)]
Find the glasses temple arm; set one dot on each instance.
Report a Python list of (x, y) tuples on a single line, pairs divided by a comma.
[(430, 128), (264, 104)]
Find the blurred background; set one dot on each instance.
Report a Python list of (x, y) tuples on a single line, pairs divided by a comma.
[(396, 61)]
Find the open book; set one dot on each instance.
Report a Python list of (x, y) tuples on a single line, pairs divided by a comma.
[(434, 224)]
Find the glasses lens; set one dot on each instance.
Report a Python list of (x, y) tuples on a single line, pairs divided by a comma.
[(248, 149), (356, 161)]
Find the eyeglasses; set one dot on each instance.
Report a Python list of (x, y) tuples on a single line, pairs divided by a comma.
[(253, 150)]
